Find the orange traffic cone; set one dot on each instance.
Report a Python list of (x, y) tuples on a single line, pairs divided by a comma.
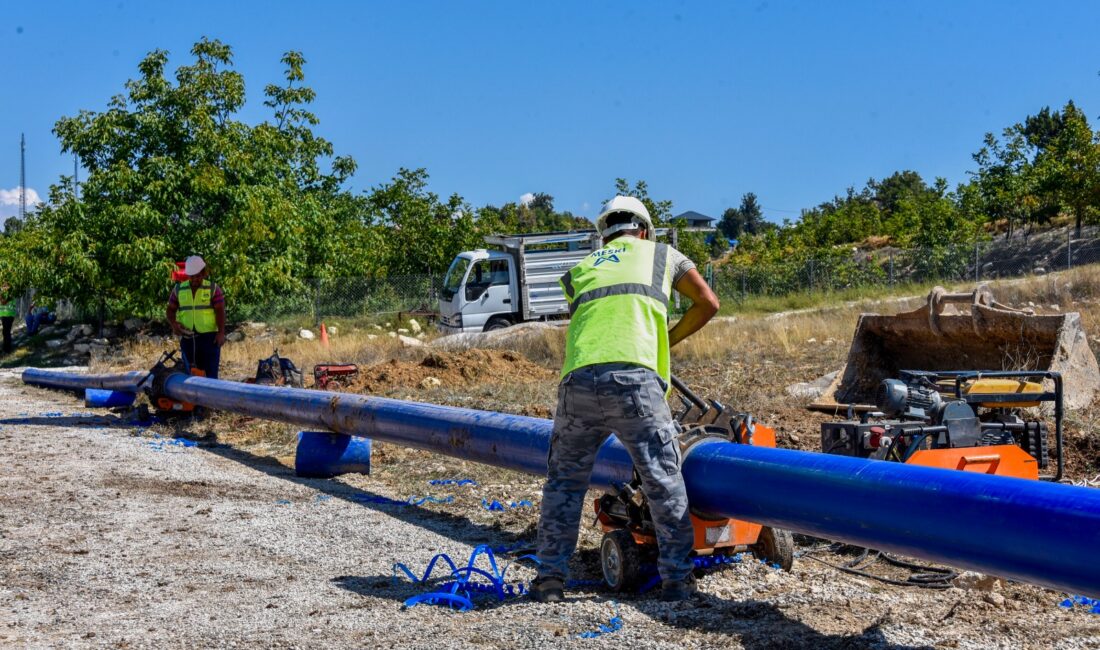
[(324, 335)]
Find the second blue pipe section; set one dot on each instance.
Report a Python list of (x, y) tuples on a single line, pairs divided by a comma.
[(1042, 533)]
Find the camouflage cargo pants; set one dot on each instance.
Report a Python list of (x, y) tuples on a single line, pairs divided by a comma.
[(594, 402)]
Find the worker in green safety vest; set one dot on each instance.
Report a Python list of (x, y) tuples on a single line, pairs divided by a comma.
[(8, 312), (196, 313), (615, 379)]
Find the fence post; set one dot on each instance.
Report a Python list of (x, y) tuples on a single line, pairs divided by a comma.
[(742, 285), (316, 302), (977, 269), (811, 274), (891, 268), (1069, 249)]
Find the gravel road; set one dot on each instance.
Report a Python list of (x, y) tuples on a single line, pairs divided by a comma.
[(110, 537)]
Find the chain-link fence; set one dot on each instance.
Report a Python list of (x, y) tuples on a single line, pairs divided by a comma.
[(355, 298), (1024, 254)]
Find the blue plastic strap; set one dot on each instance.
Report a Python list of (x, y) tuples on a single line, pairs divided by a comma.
[(613, 625), (449, 592), (450, 481)]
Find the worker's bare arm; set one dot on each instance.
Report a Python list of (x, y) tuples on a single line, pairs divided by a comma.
[(219, 316), (704, 305)]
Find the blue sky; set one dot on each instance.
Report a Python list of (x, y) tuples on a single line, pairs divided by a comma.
[(794, 101)]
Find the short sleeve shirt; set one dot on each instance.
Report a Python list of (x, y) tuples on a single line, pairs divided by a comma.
[(680, 264)]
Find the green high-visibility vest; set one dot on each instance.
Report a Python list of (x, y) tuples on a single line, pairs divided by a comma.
[(7, 308), (195, 312), (618, 301)]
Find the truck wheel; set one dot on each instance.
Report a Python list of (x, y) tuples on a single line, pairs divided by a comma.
[(775, 546), (620, 560), (497, 323)]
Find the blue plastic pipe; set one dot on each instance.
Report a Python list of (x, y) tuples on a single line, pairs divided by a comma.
[(1042, 533), (103, 398), (126, 382), (510, 441), (1033, 531), (323, 454)]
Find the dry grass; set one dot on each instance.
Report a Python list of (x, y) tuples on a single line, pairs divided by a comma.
[(240, 358), (745, 361)]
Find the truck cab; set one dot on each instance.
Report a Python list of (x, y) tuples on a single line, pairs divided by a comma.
[(515, 282), (478, 288)]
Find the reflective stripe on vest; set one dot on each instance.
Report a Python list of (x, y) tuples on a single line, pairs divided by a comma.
[(195, 311), (618, 299)]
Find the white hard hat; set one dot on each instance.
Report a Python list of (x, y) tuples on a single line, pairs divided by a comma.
[(630, 205), (194, 265)]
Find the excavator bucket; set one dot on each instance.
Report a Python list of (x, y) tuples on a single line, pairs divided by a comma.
[(963, 331)]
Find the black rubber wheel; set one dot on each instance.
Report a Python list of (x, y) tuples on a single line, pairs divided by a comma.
[(775, 546), (620, 560), (497, 323)]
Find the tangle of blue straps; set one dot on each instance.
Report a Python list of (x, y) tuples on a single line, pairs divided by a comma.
[(458, 592)]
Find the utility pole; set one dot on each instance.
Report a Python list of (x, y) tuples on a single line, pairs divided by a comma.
[(22, 176), (76, 179)]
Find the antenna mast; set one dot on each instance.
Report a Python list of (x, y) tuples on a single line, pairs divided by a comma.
[(22, 176)]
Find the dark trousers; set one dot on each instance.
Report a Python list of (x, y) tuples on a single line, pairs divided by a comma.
[(7, 320), (202, 352)]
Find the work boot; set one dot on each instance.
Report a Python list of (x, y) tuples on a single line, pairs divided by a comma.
[(547, 590), (674, 591)]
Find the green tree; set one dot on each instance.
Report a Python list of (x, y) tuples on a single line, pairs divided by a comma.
[(1069, 163), (748, 218), (1007, 180), (423, 233), (890, 191), (171, 172), (659, 211)]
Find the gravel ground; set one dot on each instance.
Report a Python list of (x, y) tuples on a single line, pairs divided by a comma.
[(112, 538)]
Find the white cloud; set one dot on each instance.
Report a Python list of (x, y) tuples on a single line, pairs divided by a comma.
[(585, 206), (9, 201), (11, 197), (527, 198)]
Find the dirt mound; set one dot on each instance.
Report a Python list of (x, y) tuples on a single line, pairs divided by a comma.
[(439, 368)]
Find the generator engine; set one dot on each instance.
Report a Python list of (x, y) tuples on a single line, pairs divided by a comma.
[(931, 411)]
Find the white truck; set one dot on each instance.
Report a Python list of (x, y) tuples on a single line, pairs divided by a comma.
[(514, 282)]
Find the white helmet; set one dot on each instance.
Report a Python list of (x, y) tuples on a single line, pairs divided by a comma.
[(630, 205), (194, 265)]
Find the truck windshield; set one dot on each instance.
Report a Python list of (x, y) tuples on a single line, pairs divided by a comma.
[(454, 277)]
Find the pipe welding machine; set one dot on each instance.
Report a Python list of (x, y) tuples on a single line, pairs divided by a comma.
[(167, 365), (630, 543), (963, 420)]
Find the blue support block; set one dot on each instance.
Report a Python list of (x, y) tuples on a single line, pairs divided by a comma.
[(104, 398), (323, 454)]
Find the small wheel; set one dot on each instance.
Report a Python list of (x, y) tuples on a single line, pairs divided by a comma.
[(497, 323), (775, 545), (620, 560)]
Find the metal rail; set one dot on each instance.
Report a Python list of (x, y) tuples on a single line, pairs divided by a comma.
[(1043, 533)]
